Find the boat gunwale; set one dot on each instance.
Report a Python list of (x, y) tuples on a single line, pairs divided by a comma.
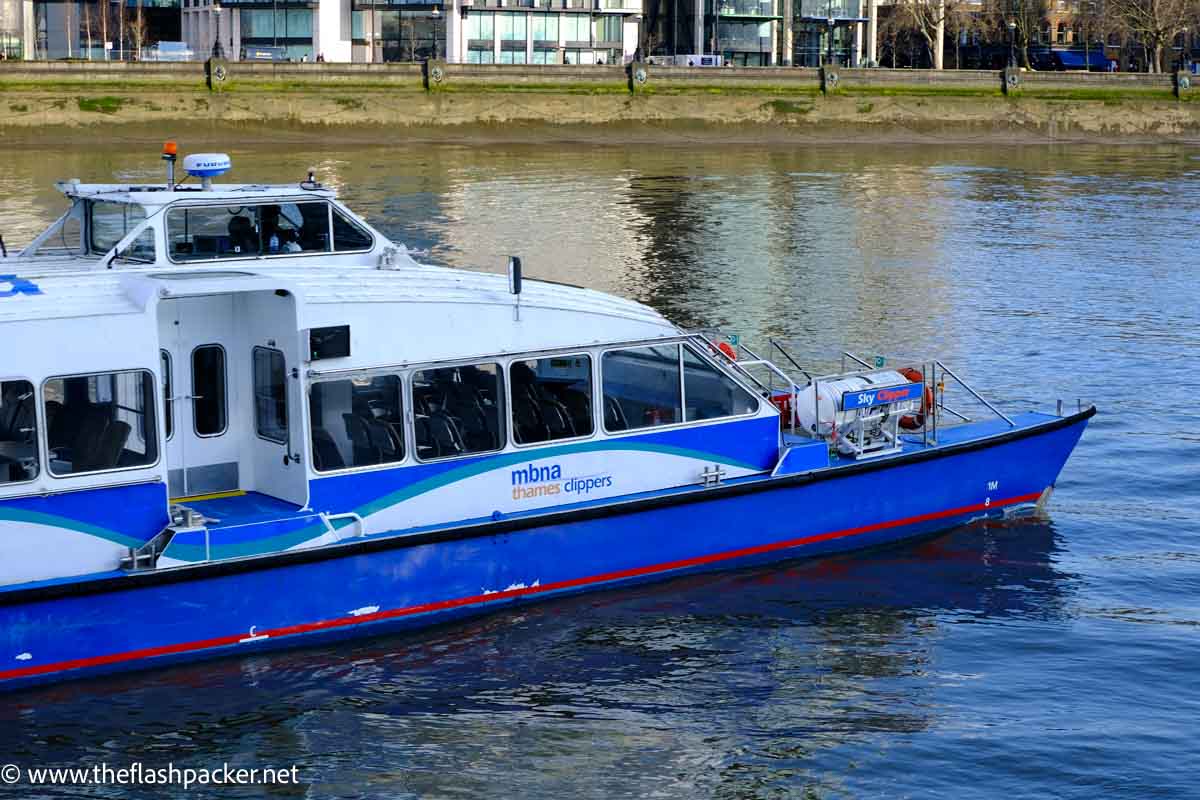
[(751, 485)]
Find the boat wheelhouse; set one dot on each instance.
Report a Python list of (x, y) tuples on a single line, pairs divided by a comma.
[(253, 449)]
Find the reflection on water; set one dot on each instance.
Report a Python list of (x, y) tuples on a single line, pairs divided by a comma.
[(984, 663)]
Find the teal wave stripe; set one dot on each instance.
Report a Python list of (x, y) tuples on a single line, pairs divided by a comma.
[(56, 521)]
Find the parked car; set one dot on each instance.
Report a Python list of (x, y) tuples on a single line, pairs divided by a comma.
[(168, 51)]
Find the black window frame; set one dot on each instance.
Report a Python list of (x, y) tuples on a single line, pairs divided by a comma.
[(592, 383), (402, 426), (167, 362), (502, 434)]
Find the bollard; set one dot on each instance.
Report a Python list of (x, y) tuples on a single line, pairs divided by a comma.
[(1010, 80), (433, 73), (639, 75), (1183, 84), (829, 79), (216, 72)]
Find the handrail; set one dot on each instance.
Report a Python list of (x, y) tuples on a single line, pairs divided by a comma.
[(788, 356), (974, 393), (856, 358), (328, 519)]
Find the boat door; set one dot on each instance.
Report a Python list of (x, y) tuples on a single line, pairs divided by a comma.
[(233, 396), (200, 352)]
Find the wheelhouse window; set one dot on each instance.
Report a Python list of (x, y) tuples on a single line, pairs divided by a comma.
[(457, 410), (348, 235), (270, 395), (641, 387), (212, 232), (100, 422), (709, 393), (356, 422), (18, 432), (209, 416), (109, 222), (551, 398)]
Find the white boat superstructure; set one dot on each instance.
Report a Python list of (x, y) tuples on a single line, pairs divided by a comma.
[(201, 225)]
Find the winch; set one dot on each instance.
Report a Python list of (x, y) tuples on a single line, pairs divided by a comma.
[(859, 413)]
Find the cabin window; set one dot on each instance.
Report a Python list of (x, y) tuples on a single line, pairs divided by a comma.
[(270, 395), (356, 423), (111, 221), (457, 410), (551, 398), (208, 390), (100, 422), (139, 251), (348, 234), (18, 432), (642, 387), (208, 232), (709, 393), (168, 384)]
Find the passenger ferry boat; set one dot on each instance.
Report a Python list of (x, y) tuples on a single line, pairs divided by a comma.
[(237, 417)]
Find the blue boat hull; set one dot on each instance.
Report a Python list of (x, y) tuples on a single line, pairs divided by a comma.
[(71, 630)]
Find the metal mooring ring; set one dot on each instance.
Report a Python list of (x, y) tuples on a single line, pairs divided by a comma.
[(437, 74), (1013, 79), (831, 78), (1185, 82), (639, 75)]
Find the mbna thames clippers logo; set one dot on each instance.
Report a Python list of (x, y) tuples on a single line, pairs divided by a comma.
[(542, 481), (11, 286)]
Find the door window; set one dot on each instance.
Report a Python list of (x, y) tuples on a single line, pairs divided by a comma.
[(270, 395), (208, 389), (168, 383)]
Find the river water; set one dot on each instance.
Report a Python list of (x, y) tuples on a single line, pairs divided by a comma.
[(1042, 658)]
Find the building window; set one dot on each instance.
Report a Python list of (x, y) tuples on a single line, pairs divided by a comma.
[(481, 25), (208, 390), (356, 423), (709, 393), (642, 387), (545, 28), (270, 395), (18, 433), (100, 422), (457, 410), (512, 56), (478, 56), (575, 28), (607, 28), (541, 56), (513, 26), (551, 398)]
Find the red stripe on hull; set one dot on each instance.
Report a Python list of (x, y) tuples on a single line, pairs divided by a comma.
[(444, 605)]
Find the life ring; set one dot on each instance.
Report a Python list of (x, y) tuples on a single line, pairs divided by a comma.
[(727, 350), (912, 422)]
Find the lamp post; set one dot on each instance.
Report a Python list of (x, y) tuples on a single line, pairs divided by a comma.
[(437, 17), (829, 41), (217, 50), (1087, 47), (1012, 44)]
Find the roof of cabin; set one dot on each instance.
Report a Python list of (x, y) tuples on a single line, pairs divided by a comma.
[(151, 194), (93, 294)]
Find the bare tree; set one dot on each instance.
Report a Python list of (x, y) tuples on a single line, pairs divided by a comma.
[(1026, 17), (928, 17), (138, 31), (103, 11), (1155, 23)]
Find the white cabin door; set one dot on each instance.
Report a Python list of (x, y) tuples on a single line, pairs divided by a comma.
[(201, 355)]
